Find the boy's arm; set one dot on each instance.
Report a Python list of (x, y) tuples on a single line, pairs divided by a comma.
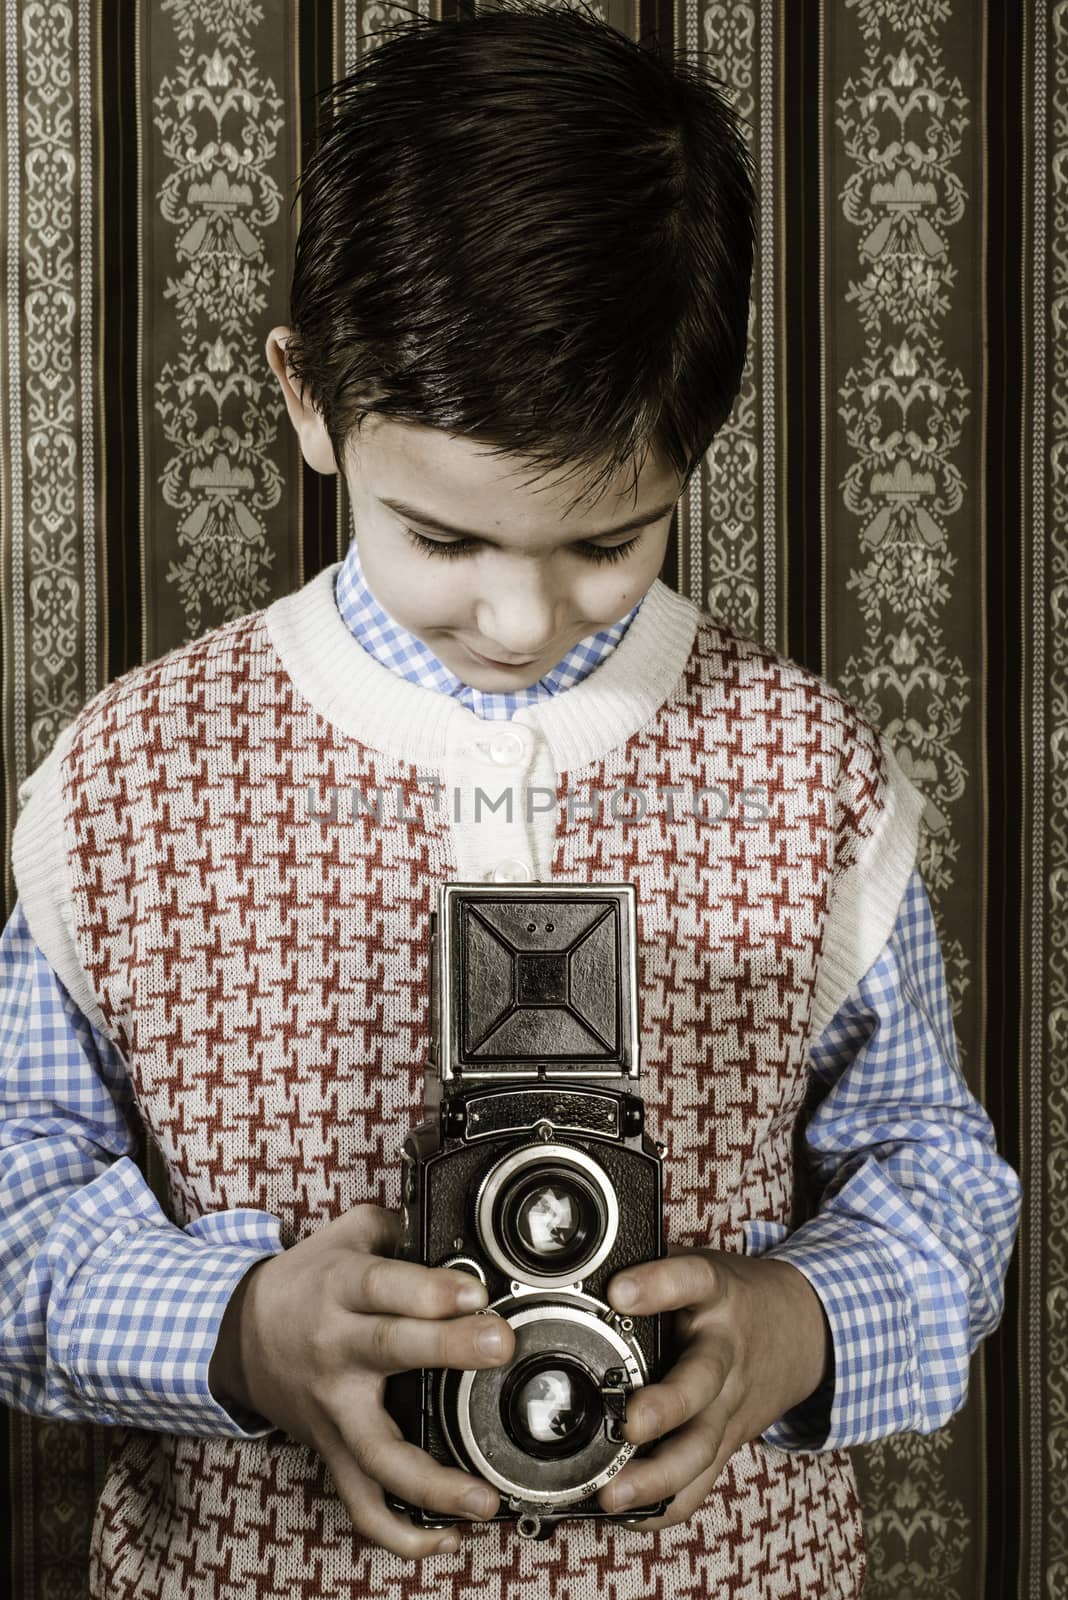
[(108, 1311), (918, 1215)]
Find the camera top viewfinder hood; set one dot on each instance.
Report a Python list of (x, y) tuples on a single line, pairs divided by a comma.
[(534, 980)]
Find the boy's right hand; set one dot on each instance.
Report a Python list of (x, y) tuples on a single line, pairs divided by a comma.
[(308, 1340)]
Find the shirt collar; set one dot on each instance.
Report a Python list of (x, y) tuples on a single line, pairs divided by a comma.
[(396, 648)]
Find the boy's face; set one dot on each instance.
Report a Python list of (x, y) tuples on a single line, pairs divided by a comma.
[(527, 582)]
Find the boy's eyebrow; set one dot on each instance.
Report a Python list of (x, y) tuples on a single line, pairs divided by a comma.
[(415, 515)]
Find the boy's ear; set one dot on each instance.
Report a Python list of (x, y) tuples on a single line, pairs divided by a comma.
[(310, 429)]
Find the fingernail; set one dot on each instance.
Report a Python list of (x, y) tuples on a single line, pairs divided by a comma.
[(622, 1496), (491, 1343), (471, 1298), (625, 1292), (478, 1501), (449, 1546)]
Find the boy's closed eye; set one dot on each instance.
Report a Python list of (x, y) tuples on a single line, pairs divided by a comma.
[(458, 547)]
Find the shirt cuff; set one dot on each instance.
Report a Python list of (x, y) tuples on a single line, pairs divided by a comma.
[(869, 1392), (132, 1340)]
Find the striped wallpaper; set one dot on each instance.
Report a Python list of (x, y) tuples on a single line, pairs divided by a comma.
[(887, 504)]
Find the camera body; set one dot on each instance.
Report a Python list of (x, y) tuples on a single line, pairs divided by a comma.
[(533, 1171)]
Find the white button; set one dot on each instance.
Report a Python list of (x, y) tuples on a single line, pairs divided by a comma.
[(512, 870), (506, 748)]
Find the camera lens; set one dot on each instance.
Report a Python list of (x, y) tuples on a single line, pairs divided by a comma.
[(551, 1220), (550, 1406), (546, 1213), (548, 1219), (544, 1429)]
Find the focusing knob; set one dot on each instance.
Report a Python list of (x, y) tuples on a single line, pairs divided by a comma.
[(467, 1264)]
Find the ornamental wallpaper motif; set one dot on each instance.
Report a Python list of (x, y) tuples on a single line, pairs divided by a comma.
[(888, 504)]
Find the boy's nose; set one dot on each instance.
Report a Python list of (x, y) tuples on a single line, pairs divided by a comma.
[(519, 624)]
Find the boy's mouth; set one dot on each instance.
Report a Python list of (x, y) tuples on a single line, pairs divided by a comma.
[(488, 661)]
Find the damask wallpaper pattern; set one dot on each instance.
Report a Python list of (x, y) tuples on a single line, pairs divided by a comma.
[(887, 504)]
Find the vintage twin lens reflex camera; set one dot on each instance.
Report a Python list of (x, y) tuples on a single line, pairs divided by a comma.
[(533, 1172)]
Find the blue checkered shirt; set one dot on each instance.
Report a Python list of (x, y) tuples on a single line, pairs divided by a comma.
[(110, 1313)]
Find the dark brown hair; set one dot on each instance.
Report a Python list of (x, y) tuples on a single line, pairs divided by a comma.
[(526, 228)]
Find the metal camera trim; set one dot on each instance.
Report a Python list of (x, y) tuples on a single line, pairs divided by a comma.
[(494, 1182), (491, 1379)]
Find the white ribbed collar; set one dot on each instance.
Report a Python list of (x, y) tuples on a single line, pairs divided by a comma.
[(366, 701)]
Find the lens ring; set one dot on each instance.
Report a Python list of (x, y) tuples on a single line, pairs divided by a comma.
[(536, 1160), (552, 1219)]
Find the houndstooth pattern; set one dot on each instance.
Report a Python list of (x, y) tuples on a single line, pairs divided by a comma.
[(266, 980)]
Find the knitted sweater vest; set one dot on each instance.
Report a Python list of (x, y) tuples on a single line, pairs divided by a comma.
[(264, 971)]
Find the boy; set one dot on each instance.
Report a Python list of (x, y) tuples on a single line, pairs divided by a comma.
[(525, 242)]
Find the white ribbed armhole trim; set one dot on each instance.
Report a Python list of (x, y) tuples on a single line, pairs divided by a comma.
[(39, 861), (867, 898)]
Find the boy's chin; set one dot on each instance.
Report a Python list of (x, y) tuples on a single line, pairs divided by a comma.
[(496, 680)]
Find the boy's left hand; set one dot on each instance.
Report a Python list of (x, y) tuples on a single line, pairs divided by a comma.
[(754, 1342)]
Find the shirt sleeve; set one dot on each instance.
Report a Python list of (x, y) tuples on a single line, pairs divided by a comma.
[(109, 1312), (918, 1212)]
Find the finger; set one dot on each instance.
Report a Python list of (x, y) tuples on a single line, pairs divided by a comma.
[(694, 1383), (402, 1344), (365, 1503), (688, 1462), (684, 1504), (381, 1284), (383, 1455), (674, 1283), (372, 1227)]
